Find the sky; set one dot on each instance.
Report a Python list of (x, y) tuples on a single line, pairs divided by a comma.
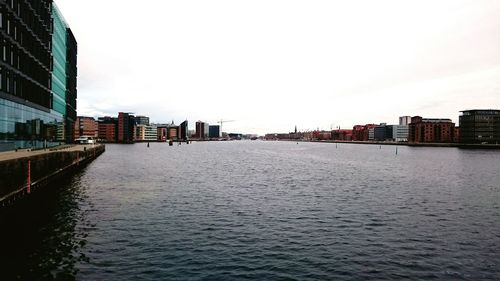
[(272, 65)]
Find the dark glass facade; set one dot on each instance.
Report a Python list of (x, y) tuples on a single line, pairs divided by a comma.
[(480, 126), (183, 130), (214, 131), (33, 112)]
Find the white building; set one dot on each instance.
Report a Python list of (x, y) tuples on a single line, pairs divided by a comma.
[(400, 132), (371, 134), (404, 120), (146, 133)]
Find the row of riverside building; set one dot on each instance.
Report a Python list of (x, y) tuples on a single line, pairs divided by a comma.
[(38, 87), (127, 128), (478, 126)]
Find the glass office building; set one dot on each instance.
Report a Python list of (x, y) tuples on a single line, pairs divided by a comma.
[(37, 75), (480, 126)]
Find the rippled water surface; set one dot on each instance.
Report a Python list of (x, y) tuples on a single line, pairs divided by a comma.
[(263, 211)]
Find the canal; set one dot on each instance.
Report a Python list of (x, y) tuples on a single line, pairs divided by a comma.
[(255, 210)]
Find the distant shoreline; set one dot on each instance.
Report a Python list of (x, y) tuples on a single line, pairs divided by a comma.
[(458, 145)]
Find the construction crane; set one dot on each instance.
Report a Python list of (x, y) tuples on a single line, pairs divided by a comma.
[(222, 122)]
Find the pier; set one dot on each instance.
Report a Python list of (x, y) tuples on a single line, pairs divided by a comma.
[(25, 171)]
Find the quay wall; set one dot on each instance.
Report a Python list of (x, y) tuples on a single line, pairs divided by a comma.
[(21, 176), (458, 145)]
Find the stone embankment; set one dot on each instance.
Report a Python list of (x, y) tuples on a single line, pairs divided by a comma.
[(23, 172)]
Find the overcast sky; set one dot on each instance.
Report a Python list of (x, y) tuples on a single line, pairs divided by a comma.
[(270, 65)]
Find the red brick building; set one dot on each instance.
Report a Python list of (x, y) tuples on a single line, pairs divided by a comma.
[(429, 130), (85, 126), (172, 132), (107, 132), (322, 135), (361, 132), (342, 135), (126, 128), (457, 135), (162, 133)]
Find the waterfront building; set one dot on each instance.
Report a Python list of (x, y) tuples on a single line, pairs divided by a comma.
[(106, 132), (85, 126), (107, 128), (322, 135), (404, 120), (382, 132), (371, 134), (431, 130), (400, 133), (173, 132), (214, 131), (397, 133), (161, 132), (342, 135), (362, 132), (202, 130), (480, 126), (183, 130), (457, 135), (146, 132), (126, 127), (142, 120), (38, 56)]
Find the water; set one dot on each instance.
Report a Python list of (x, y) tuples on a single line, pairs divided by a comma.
[(263, 211)]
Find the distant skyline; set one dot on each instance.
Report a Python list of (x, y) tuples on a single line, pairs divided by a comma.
[(271, 65)]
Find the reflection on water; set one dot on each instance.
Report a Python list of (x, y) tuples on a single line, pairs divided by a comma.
[(264, 211), (39, 239)]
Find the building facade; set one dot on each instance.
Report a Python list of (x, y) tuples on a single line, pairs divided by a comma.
[(342, 135), (173, 132), (322, 135), (38, 72), (161, 133), (363, 132), (126, 128), (107, 129), (427, 130), (146, 133), (214, 131), (202, 130), (400, 133), (480, 126), (184, 131), (142, 120), (404, 120), (382, 132), (85, 126)]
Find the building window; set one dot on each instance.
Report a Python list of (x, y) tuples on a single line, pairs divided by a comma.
[(7, 83)]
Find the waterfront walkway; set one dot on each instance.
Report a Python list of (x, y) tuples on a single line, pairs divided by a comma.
[(21, 153)]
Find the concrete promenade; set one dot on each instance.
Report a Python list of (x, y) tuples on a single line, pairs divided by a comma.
[(21, 153)]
